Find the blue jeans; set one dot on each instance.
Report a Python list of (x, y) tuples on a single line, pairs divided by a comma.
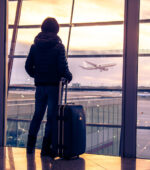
[(45, 96)]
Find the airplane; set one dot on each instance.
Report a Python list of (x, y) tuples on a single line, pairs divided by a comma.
[(94, 66)]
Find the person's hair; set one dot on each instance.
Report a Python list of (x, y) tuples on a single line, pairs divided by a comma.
[(50, 25)]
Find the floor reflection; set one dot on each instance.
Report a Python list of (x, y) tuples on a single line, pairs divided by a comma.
[(17, 159), (61, 164), (11, 158), (128, 164), (2, 158), (31, 164)]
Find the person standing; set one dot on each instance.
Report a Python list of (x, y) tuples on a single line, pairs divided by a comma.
[(47, 64)]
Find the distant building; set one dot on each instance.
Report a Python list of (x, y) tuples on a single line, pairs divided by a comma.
[(76, 84)]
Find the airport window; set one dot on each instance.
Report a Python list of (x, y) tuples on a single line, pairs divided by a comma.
[(143, 106), (92, 40), (94, 43), (98, 90)]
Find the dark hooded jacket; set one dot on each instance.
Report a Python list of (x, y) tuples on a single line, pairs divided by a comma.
[(46, 61)]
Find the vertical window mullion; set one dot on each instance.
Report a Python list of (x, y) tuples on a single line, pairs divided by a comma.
[(130, 69), (3, 54)]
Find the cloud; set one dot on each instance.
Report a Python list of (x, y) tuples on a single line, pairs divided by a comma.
[(144, 9), (97, 10), (34, 12), (97, 38), (11, 11), (144, 36), (89, 78)]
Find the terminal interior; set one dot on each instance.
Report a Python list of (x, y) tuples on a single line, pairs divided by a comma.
[(108, 52)]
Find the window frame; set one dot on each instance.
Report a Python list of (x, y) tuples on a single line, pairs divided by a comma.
[(3, 69)]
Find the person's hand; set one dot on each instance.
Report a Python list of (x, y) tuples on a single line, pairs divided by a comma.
[(64, 80)]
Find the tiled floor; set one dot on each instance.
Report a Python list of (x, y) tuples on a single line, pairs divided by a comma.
[(16, 159)]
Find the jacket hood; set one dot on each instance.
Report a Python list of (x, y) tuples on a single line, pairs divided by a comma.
[(46, 40)]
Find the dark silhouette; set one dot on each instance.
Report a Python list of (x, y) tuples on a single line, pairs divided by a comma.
[(46, 63)]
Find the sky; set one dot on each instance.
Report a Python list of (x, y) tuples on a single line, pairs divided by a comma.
[(84, 40)]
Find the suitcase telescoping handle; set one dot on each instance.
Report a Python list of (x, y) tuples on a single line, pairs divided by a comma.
[(61, 123), (62, 82)]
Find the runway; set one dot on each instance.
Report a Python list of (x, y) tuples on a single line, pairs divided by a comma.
[(100, 107)]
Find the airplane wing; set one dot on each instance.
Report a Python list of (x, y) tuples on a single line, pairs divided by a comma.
[(88, 62), (108, 65), (87, 68)]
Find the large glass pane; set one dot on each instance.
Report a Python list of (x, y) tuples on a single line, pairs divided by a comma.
[(96, 10), (20, 105), (26, 38), (144, 72), (96, 40), (102, 140), (11, 11), (144, 38), (95, 85), (143, 116), (35, 11), (99, 89), (143, 106), (143, 144), (94, 90), (96, 77), (144, 9), (17, 71)]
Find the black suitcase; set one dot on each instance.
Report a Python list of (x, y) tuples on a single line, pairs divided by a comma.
[(71, 128)]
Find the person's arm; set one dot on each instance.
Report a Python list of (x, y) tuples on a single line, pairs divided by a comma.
[(63, 64), (29, 65)]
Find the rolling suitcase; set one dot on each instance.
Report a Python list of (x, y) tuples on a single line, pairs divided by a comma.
[(71, 127)]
